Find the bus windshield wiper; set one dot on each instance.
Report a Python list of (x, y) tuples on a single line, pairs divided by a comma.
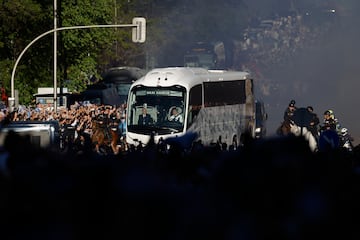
[(169, 129), (153, 128)]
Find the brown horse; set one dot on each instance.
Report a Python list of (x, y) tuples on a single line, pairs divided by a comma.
[(284, 129), (104, 137)]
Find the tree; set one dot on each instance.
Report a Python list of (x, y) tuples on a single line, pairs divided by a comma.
[(82, 54), (88, 53), (22, 21), (80, 49)]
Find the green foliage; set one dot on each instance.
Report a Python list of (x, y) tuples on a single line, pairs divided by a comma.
[(5, 74), (104, 46), (83, 42), (80, 74), (21, 21)]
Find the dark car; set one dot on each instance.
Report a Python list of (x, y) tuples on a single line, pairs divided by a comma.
[(260, 121)]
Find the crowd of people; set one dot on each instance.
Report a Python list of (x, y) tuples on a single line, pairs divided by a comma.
[(320, 130), (77, 123), (264, 189), (86, 125), (276, 42)]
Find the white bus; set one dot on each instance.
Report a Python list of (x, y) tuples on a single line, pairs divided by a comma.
[(211, 103)]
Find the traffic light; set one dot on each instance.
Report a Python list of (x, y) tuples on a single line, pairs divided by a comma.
[(139, 31)]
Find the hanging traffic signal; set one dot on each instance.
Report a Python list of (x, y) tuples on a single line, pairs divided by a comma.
[(139, 31)]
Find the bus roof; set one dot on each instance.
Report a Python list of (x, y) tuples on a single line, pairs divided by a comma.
[(188, 77)]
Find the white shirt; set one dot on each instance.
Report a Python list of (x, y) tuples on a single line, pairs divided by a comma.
[(176, 118)]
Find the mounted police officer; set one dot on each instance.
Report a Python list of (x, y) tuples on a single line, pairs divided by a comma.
[(284, 128), (289, 111)]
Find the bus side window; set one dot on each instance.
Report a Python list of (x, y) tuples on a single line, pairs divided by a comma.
[(195, 103)]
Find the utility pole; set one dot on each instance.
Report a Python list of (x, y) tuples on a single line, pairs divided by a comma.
[(55, 55), (115, 22)]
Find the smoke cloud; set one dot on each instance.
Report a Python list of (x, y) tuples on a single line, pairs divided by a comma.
[(325, 76)]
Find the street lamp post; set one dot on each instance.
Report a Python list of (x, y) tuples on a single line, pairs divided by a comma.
[(55, 56), (138, 35)]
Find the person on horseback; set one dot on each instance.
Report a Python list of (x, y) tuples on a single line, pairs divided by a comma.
[(289, 111), (103, 136), (285, 126)]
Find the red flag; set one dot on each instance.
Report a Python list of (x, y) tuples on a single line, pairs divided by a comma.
[(4, 97)]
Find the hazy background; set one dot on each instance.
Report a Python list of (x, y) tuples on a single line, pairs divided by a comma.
[(327, 76), (324, 75)]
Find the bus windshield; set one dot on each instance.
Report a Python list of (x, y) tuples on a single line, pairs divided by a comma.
[(158, 110)]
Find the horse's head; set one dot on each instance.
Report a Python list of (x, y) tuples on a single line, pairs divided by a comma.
[(285, 128)]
